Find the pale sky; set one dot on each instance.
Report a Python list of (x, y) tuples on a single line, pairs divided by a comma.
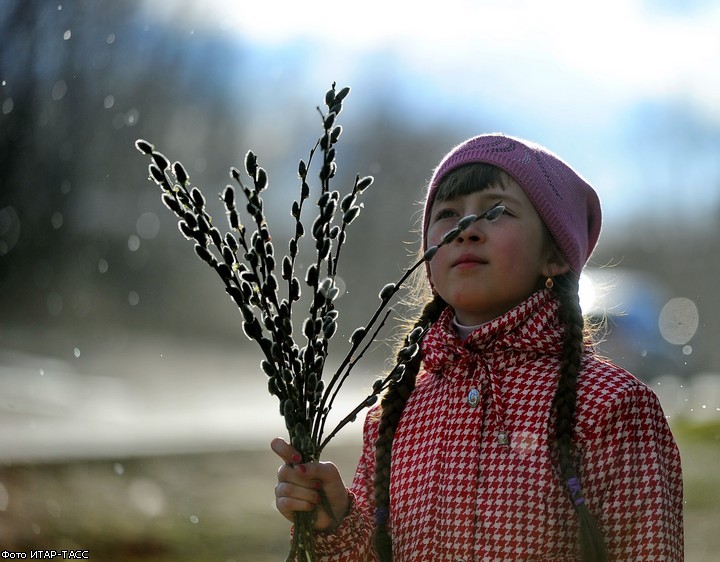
[(628, 48), (569, 74)]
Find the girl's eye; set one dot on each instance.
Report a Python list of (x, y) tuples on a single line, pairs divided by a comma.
[(444, 214)]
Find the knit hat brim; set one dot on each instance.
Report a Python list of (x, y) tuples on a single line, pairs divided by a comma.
[(567, 204)]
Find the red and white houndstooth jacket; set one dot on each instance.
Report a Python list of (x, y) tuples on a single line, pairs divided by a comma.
[(474, 475)]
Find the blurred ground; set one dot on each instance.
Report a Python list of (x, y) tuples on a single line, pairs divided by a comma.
[(158, 451), (219, 506), (145, 395)]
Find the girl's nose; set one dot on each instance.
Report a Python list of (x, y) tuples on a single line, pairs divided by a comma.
[(472, 233)]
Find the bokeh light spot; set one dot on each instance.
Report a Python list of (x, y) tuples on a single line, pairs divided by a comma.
[(148, 226), (56, 220), (59, 90), (133, 243), (678, 320)]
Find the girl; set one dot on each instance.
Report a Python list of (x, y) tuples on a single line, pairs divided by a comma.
[(509, 439)]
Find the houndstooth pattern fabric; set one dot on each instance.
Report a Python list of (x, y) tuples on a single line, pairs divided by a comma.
[(459, 494)]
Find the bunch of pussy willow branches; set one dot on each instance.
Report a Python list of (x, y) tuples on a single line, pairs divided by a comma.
[(268, 292)]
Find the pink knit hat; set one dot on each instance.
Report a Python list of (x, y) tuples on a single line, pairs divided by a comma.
[(566, 203)]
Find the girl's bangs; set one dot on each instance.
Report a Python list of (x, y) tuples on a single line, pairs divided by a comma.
[(469, 179)]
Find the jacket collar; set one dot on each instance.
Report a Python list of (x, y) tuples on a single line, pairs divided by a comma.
[(532, 326)]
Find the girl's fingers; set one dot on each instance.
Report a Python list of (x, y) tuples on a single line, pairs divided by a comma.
[(285, 451), (301, 487), (295, 497)]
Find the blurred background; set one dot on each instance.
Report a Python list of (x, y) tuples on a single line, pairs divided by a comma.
[(134, 420)]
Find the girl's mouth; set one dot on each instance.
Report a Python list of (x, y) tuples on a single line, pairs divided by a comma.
[(468, 260)]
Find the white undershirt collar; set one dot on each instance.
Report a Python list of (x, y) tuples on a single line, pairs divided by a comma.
[(464, 331)]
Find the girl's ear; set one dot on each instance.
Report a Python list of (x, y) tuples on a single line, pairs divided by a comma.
[(555, 264)]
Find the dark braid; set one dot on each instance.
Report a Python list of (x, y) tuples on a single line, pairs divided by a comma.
[(592, 544), (392, 406)]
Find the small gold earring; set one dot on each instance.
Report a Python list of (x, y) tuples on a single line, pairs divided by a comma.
[(549, 283)]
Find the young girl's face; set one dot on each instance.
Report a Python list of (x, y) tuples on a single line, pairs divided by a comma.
[(492, 266)]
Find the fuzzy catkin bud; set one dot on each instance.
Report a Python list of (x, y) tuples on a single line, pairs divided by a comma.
[(329, 121), (357, 336), (160, 160), (331, 154), (286, 268), (342, 94), (203, 224), (450, 236), (329, 330), (323, 248), (228, 256), (234, 220), (465, 222), (407, 353), (311, 278), (351, 215), (325, 286), (231, 242), (228, 197), (185, 229), (180, 173), (330, 97), (252, 330), (294, 293), (261, 181), (250, 163), (171, 203), (204, 254), (268, 368), (309, 328), (216, 237), (144, 146), (347, 202), (364, 183), (273, 387), (335, 134), (223, 270), (430, 253), (317, 227), (156, 174), (323, 200), (415, 335), (236, 295), (387, 291), (271, 283)]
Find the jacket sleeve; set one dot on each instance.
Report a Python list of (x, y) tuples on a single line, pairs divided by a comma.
[(352, 540), (633, 478)]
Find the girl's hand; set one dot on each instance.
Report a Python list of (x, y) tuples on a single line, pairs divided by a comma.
[(299, 487)]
